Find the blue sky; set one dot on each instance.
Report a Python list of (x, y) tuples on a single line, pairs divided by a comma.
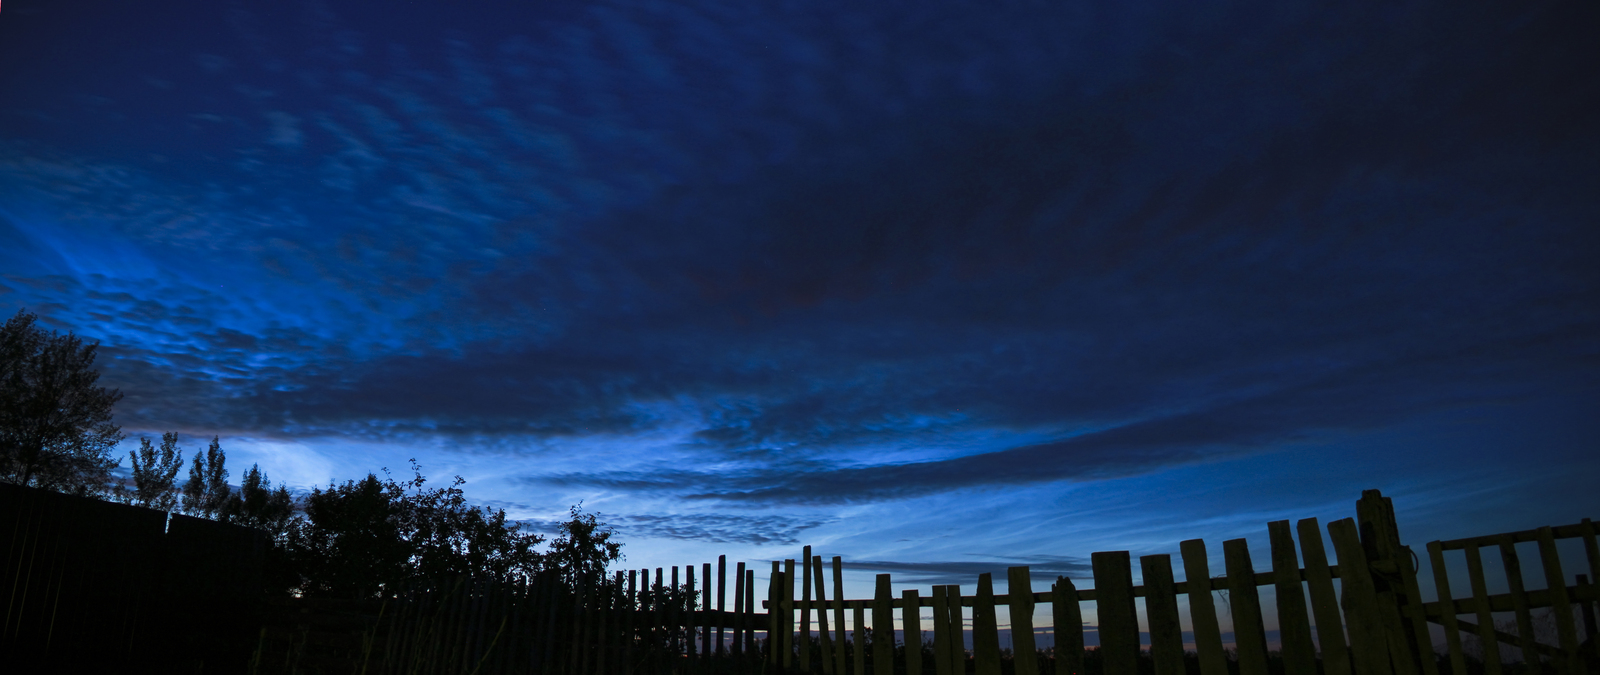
[(943, 286)]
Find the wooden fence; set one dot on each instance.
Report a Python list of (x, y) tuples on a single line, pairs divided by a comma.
[(95, 586), (95, 583), (1375, 623)]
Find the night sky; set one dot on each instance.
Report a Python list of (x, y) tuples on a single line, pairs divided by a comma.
[(938, 286)]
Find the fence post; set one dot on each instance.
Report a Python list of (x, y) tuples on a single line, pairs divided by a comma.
[(1249, 634), (883, 627), (1294, 626), (838, 615), (822, 617), (985, 629), (1119, 626), (1161, 611), (1068, 620), (1203, 608), (1024, 653), (805, 611), (1480, 599), (1368, 640), (1325, 605), (941, 632), (786, 622), (722, 604), (1447, 607), (739, 615), (1409, 644), (911, 627)]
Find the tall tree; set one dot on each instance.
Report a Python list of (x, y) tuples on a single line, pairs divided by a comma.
[(257, 505), (584, 548), (207, 490), (155, 473), (55, 424)]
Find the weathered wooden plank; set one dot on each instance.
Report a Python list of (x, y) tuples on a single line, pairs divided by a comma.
[(1448, 619), (1025, 653), (958, 628), (805, 611), (825, 639), (860, 646), (750, 610), (1161, 612), (1591, 632), (740, 615), (911, 621), (1368, 642), (1249, 633), (883, 626), (1119, 624), (1294, 623), (941, 633), (1556, 583), (1067, 618), (1380, 538), (1324, 603), (1422, 639), (1202, 608), (707, 605), (985, 629), (722, 604), (1519, 597), (690, 627), (774, 642), (1480, 594), (787, 622), (839, 657)]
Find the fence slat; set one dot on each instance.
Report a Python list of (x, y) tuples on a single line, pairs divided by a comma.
[(941, 633), (1380, 538), (824, 638), (722, 604), (750, 611), (1161, 612), (1294, 625), (911, 621), (1519, 599), (1202, 608), (985, 629), (1369, 645), (1119, 625), (739, 615), (1324, 603), (958, 640), (706, 606), (786, 623), (883, 626), (1024, 652), (860, 646), (1590, 631), (1447, 606), (1556, 582), (838, 614), (1067, 617), (1480, 598), (1249, 633), (805, 610)]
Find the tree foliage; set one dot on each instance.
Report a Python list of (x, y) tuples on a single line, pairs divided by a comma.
[(55, 424), (207, 490), (369, 538), (258, 505), (155, 473), (584, 547)]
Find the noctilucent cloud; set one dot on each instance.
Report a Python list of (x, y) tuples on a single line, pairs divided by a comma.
[(935, 286)]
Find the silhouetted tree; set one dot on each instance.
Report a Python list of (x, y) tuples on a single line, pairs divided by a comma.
[(207, 490), (257, 505), (584, 548), (55, 424), (155, 473), (367, 538)]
